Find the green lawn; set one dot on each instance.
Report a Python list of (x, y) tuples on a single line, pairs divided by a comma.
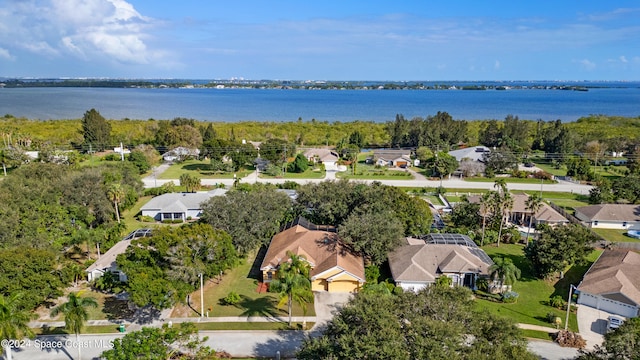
[(92, 329), (551, 169), (309, 174), (531, 306), (250, 326), (433, 199), (534, 334), (199, 168), (242, 280), (614, 235), (370, 172), (510, 180), (129, 215)]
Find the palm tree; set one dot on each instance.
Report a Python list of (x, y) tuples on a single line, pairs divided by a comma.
[(13, 321), (485, 210), (505, 271), (504, 203), (75, 313), (533, 204), (293, 283), (116, 193)]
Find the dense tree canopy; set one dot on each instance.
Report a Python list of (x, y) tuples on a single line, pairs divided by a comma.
[(556, 248), (35, 273), (48, 204), (250, 217), (165, 343), (164, 268), (437, 323)]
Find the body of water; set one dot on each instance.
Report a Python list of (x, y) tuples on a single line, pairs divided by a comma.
[(233, 105)]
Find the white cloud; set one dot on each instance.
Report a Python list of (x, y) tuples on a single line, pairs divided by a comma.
[(623, 59), (496, 65), (586, 64), (5, 54), (96, 30)]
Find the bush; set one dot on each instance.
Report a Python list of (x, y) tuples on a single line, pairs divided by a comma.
[(510, 297), (482, 284), (175, 221), (557, 302), (542, 175), (232, 298), (146, 218)]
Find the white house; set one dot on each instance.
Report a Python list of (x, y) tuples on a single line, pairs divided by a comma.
[(610, 216), (612, 283), (178, 206), (475, 153), (107, 262), (325, 156)]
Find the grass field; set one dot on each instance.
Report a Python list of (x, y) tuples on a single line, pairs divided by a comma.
[(199, 168), (531, 306), (614, 235), (244, 281), (251, 326), (309, 174), (510, 180), (370, 172)]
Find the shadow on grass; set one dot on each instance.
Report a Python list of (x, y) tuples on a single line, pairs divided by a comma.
[(254, 272), (571, 277), (116, 309), (526, 270), (286, 344), (262, 306), (197, 167)]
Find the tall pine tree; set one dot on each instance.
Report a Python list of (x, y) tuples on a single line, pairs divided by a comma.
[(95, 130)]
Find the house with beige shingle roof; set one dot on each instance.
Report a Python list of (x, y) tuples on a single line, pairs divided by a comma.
[(519, 214), (610, 216), (612, 284), (421, 261), (545, 215), (333, 267)]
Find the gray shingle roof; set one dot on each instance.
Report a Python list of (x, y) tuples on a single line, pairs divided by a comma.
[(180, 202), (610, 212)]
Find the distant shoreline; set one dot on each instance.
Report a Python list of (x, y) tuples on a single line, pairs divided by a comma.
[(316, 85)]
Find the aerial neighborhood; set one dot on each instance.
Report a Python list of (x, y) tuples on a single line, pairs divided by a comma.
[(331, 238)]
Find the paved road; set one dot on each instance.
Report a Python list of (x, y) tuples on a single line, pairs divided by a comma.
[(454, 183), (237, 343)]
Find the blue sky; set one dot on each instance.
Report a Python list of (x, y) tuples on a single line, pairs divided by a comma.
[(321, 40)]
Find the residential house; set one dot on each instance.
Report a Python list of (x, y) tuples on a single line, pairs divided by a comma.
[(610, 216), (178, 206), (422, 260), (391, 158), (475, 153), (333, 267), (612, 283), (325, 156), (519, 214), (107, 262), (180, 154)]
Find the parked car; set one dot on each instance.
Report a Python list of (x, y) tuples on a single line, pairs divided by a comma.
[(614, 322)]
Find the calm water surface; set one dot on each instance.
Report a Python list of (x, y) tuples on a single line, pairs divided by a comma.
[(232, 105)]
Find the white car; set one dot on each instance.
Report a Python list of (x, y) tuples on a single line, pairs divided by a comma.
[(614, 322)]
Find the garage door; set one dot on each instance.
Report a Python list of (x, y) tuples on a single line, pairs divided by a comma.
[(611, 306), (588, 299), (618, 308)]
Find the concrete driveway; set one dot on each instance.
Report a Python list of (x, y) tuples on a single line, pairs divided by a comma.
[(592, 325), (327, 304)]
